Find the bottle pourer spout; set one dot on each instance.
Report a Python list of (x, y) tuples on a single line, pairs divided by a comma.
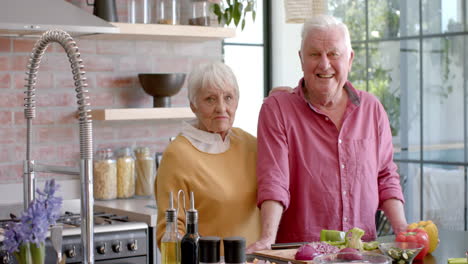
[(171, 201), (192, 201)]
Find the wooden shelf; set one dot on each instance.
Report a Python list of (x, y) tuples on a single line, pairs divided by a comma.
[(142, 113), (160, 31)]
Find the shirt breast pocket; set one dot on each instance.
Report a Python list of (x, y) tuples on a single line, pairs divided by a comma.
[(365, 158)]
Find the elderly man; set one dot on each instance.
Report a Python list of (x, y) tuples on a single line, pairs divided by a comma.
[(325, 154)]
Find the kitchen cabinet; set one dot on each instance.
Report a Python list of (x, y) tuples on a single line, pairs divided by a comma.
[(158, 113), (165, 32)]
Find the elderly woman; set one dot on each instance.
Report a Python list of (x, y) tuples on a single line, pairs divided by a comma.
[(214, 160)]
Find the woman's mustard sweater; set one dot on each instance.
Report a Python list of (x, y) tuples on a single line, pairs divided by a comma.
[(224, 186)]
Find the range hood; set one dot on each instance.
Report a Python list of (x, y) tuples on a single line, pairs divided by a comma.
[(33, 17)]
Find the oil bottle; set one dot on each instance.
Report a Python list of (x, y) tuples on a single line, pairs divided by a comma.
[(189, 243), (170, 242)]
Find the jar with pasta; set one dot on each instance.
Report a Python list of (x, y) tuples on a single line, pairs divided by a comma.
[(125, 173), (145, 172), (105, 175)]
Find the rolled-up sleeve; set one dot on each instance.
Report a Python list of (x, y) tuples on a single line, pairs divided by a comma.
[(272, 165), (389, 179)]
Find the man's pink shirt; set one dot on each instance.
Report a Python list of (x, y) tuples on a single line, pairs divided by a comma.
[(325, 178)]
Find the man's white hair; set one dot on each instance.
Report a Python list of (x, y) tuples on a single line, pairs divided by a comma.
[(323, 22)]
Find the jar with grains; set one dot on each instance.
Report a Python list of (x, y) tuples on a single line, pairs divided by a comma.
[(200, 13), (145, 172), (125, 173), (105, 175), (168, 12)]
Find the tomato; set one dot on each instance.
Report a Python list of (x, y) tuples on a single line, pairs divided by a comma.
[(417, 235)]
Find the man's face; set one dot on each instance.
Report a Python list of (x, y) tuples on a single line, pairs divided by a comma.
[(325, 60)]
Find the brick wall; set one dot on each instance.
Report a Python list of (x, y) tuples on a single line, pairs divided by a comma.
[(111, 68)]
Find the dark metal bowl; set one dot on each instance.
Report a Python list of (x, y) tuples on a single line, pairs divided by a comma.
[(161, 86)]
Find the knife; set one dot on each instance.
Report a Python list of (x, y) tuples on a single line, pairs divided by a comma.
[(56, 238), (288, 245)]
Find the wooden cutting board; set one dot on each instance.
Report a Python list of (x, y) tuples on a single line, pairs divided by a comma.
[(282, 255)]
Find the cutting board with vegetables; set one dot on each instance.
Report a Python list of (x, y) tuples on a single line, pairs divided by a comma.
[(282, 255)]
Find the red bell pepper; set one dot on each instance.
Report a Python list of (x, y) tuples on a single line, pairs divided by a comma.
[(417, 235)]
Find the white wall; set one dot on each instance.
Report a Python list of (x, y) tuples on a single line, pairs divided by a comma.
[(286, 41)]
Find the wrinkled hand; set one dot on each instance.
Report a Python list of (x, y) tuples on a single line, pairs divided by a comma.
[(281, 89), (257, 246), (400, 228)]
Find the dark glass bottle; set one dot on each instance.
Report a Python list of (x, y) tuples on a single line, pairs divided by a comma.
[(189, 243)]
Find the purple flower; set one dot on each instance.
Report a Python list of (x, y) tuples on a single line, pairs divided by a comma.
[(35, 221)]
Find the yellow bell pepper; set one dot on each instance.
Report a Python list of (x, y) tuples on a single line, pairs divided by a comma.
[(431, 230)]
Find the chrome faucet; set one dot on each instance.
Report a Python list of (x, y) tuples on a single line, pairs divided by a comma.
[(86, 143)]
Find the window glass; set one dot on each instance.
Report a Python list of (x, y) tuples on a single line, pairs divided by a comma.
[(443, 60), (358, 74), (442, 190), (250, 79), (384, 19), (410, 183), (408, 138), (353, 15), (442, 16), (384, 79), (253, 31)]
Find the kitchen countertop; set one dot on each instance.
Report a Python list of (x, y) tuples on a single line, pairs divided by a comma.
[(453, 244), (137, 209)]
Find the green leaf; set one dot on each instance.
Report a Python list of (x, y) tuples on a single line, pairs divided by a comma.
[(243, 24), (237, 12), (227, 18), (254, 15), (249, 7), (217, 10)]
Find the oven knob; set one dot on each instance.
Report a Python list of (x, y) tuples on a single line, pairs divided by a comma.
[(101, 249), (133, 246), (71, 253), (117, 248)]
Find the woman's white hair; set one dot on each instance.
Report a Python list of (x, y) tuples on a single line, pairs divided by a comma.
[(215, 74), (324, 22)]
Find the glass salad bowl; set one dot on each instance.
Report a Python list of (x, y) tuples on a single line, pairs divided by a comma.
[(357, 258), (401, 252)]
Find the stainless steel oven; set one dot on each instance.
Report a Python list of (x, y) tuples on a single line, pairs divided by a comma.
[(116, 240)]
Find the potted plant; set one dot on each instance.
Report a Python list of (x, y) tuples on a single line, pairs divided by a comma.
[(233, 11)]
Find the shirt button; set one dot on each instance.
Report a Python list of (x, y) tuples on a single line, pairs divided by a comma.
[(344, 192), (326, 118), (339, 141), (342, 166), (345, 219)]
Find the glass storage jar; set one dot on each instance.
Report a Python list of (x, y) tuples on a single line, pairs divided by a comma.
[(168, 12), (145, 171), (105, 175), (200, 13), (125, 173)]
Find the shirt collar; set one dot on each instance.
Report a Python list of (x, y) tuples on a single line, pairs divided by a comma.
[(205, 141), (352, 92)]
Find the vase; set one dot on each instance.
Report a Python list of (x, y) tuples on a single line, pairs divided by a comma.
[(30, 253)]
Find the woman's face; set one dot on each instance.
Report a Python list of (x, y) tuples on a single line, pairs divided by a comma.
[(215, 109)]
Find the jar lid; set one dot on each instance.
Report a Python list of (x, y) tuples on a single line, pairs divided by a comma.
[(104, 153), (209, 249), (125, 151), (142, 150), (234, 249)]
